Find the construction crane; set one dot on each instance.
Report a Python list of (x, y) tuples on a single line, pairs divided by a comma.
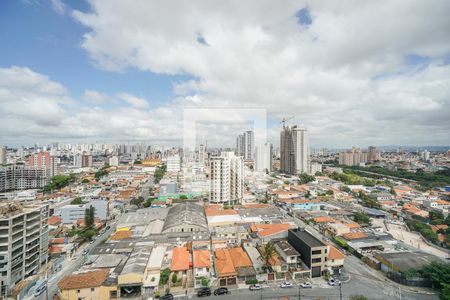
[(285, 119)]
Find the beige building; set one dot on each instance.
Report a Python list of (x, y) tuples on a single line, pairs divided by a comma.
[(89, 285)]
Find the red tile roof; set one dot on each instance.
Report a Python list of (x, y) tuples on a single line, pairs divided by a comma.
[(84, 280), (202, 259), (180, 259), (224, 263)]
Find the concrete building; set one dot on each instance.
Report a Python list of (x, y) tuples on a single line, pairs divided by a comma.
[(23, 242), (202, 155), (263, 158), (185, 217), (114, 161), (313, 251), (227, 178), (72, 212), (82, 160), (21, 177), (373, 154), (354, 157), (2, 155), (294, 150), (44, 160), (173, 163), (245, 145)]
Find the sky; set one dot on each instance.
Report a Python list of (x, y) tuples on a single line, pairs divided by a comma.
[(353, 72)]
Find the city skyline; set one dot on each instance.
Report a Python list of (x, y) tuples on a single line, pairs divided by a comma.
[(68, 74)]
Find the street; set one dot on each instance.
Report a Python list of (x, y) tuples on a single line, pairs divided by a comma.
[(69, 266)]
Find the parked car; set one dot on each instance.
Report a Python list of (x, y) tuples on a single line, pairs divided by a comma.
[(286, 284), (85, 251), (204, 292), (306, 285), (221, 291), (255, 287), (40, 290), (334, 282), (166, 297)]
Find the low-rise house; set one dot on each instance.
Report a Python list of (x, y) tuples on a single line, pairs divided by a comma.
[(268, 232), (152, 273), (242, 264), (335, 260), (91, 284), (225, 269), (130, 280), (181, 263), (202, 266), (297, 268), (256, 258)]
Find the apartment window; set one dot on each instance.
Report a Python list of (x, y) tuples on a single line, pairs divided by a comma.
[(316, 252), (92, 289), (78, 291), (316, 260)]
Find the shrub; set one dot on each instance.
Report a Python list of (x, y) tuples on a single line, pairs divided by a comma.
[(251, 281)]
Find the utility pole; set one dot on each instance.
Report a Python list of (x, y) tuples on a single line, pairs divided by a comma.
[(340, 291), (299, 292)]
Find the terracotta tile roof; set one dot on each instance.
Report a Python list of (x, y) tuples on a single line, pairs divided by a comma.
[(217, 210), (354, 235), (324, 219), (442, 202), (224, 263), (299, 200), (57, 241), (121, 235), (240, 257), (352, 225), (202, 259), (335, 253), (54, 249), (269, 229), (437, 227), (256, 205), (54, 220), (180, 259), (84, 280)]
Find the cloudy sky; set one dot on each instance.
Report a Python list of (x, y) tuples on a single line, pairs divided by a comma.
[(354, 72)]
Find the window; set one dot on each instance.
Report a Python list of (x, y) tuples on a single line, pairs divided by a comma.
[(78, 291), (316, 252), (92, 289), (316, 260)]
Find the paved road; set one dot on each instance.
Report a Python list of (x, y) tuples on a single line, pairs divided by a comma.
[(399, 232), (69, 266)]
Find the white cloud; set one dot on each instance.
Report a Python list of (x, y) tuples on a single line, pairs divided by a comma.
[(134, 101), (95, 97), (256, 55), (58, 6)]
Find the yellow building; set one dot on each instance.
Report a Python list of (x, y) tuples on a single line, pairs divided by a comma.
[(89, 285)]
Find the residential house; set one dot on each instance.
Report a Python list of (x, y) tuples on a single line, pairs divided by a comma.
[(202, 266), (90, 284)]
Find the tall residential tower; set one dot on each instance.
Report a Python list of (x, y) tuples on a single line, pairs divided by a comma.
[(294, 150)]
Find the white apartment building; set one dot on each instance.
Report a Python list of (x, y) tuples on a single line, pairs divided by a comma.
[(173, 163), (72, 212), (226, 178), (23, 242), (263, 158), (114, 161)]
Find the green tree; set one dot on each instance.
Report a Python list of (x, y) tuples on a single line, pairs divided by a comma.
[(439, 273), (269, 252), (204, 281), (184, 197), (165, 276), (89, 216), (88, 234), (85, 180), (76, 201), (305, 178), (174, 278), (358, 297), (361, 218)]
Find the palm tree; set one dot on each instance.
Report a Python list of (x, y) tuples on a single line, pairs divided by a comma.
[(269, 252)]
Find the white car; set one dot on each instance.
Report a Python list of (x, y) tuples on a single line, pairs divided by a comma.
[(334, 282), (255, 287), (286, 284), (306, 285)]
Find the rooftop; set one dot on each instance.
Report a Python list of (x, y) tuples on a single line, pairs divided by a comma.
[(307, 237), (83, 280)]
